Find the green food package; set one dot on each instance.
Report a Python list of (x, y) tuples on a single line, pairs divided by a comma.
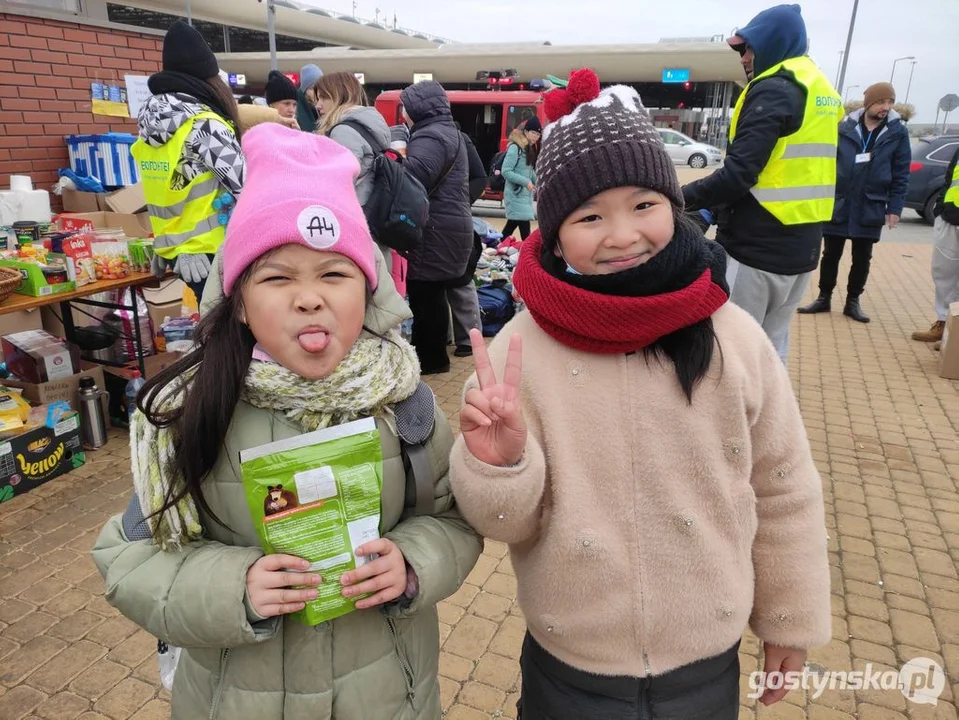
[(317, 496)]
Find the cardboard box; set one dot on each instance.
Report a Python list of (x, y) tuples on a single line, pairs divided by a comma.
[(38, 357), (133, 226), (152, 364), (949, 350), (31, 459), (165, 301), (21, 321), (65, 389), (35, 283), (127, 201), (76, 201)]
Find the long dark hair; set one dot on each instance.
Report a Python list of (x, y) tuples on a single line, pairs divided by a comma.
[(690, 349), (227, 102), (220, 361)]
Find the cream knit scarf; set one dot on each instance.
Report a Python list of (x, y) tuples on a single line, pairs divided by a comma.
[(373, 376)]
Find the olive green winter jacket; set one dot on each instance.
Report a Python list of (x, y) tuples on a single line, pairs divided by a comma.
[(368, 665)]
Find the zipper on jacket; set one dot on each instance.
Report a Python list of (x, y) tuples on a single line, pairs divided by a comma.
[(642, 594), (404, 663), (215, 708)]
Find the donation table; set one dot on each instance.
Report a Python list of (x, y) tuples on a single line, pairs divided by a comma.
[(80, 296)]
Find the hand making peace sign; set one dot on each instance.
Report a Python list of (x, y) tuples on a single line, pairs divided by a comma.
[(491, 420)]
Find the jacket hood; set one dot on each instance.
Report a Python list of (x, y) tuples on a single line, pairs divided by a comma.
[(386, 311), (775, 35), (518, 137), (426, 100), (371, 119), (162, 115)]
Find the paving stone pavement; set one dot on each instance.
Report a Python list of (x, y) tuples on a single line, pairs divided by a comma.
[(883, 428)]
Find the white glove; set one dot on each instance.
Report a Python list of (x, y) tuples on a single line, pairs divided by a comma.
[(192, 268), (159, 266)]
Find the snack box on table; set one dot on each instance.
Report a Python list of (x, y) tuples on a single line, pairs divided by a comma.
[(39, 280)]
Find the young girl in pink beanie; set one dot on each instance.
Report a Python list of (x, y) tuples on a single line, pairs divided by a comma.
[(305, 336)]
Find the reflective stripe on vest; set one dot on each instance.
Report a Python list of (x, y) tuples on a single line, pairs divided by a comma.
[(798, 184), (184, 221), (952, 192)]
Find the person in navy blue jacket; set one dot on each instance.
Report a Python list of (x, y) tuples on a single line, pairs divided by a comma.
[(872, 176)]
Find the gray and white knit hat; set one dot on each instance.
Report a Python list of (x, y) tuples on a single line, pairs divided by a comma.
[(596, 141)]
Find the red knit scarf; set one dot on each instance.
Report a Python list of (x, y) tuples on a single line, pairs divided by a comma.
[(609, 324)]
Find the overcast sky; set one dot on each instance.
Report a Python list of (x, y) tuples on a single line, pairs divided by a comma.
[(885, 30)]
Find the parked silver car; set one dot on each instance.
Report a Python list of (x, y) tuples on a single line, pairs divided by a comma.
[(686, 151)]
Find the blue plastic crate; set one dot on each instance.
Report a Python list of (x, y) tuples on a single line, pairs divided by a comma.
[(106, 157)]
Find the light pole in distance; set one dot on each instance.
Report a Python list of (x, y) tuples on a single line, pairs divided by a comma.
[(893, 73)]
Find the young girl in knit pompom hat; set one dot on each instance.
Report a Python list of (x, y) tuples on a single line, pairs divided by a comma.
[(650, 470), (306, 336)]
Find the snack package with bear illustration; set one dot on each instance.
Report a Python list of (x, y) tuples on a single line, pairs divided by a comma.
[(317, 496)]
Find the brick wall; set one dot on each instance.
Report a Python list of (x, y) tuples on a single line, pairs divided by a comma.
[(46, 69)]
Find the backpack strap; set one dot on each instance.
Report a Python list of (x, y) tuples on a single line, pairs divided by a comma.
[(363, 132), (450, 168), (415, 420)]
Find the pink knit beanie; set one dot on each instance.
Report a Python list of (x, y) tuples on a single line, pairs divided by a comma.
[(299, 189)]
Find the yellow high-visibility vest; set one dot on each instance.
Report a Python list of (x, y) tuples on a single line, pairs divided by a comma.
[(952, 192), (798, 184), (184, 221)]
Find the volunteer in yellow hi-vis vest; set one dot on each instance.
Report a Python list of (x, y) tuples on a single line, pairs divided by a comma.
[(798, 184), (776, 186), (189, 157), (945, 253), (185, 221)]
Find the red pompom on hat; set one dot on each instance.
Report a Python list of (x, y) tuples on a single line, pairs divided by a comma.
[(583, 87)]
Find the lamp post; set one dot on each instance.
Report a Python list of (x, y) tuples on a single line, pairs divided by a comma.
[(189, 12), (271, 31), (845, 56), (893, 73), (851, 87), (839, 68), (909, 86)]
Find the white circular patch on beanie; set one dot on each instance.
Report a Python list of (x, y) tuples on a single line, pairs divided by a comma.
[(319, 227)]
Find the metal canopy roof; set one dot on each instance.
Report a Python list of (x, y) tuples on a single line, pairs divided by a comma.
[(458, 63), (289, 21)]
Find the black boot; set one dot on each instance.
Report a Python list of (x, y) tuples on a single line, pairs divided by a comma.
[(854, 310), (822, 304)]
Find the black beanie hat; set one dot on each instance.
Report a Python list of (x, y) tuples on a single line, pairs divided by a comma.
[(279, 87), (185, 51), (533, 125), (597, 141)]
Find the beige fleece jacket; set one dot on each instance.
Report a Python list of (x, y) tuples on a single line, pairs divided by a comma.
[(646, 533)]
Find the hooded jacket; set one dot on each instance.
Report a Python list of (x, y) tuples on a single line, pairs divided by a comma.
[(212, 145), (517, 196), (437, 156), (774, 108), (349, 138), (867, 192), (377, 663), (306, 115)]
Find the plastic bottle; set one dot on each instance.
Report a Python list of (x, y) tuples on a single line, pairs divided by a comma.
[(132, 390)]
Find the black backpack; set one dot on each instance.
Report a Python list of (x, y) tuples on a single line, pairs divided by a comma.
[(497, 183), (399, 205)]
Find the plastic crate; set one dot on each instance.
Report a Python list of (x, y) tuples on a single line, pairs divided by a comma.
[(106, 157)]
